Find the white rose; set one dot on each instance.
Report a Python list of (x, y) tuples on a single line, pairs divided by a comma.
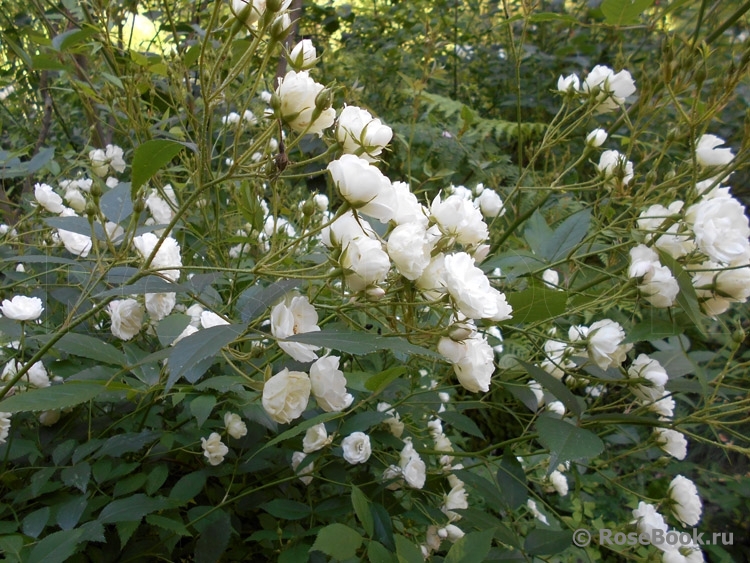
[(75, 199), (49, 418), (471, 290), (412, 467), (663, 406), (672, 442), (655, 375), (127, 318), (159, 208), (596, 138), (361, 134), (48, 198), (210, 319), (615, 167), (409, 248), (295, 315), (114, 156), (721, 229), (167, 257), (298, 92), (214, 449), (613, 88), (4, 426), (407, 208), (456, 499), (551, 279), (559, 482), (306, 472), (659, 287), (647, 519), (99, 163), (394, 423), (346, 228), (642, 261), (159, 305), (37, 376), (364, 187), (285, 395), (251, 10), (567, 84), (605, 344), (303, 56), (236, 428), (357, 448), (707, 153), (472, 359), (432, 281), (364, 263), (75, 243), (22, 308), (329, 385), (316, 438), (457, 217), (687, 504), (490, 204)]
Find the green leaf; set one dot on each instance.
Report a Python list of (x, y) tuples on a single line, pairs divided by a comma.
[(547, 542), (129, 484), (84, 346), (40, 159), (149, 158), (116, 204), (214, 537), (511, 478), (567, 236), (471, 548), (78, 225), (147, 284), (362, 509), (406, 551), (383, 526), (462, 422), (295, 554), (377, 553), (537, 233), (687, 298), (56, 548), (624, 12), (380, 381), (72, 37), (171, 327), (486, 489), (52, 398), (188, 487), (69, 513), (189, 355), (254, 301), (131, 509), (12, 546), (156, 478), (286, 509), (171, 524), (361, 421), (566, 442), (360, 343), (536, 304), (554, 386), (125, 531), (77, 476), (201, 408), (35, 522), (127, 442), (338, 541)]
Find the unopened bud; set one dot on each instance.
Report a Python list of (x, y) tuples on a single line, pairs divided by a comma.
[(700, 75), (324, 99), (139, 205), (738, 336), (275, 103), (96, 190), (461, 331), (308, 208), (276, 5), (91, 209), (280, 27), (672, 134), (375, 293)]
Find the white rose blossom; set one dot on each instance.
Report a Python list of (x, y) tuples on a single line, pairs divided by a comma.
[(357, 448), (472, 359), (456, 499), (159, 305), (22, 308), (615, 167), (4, 426), (647, 519), (303, 56), (305, 474), (687, 505), (316, 438), (655, 375), (48, 199), (298, 93), (707, 152), (361, 134), (364, 187), (490, 204), (412, 467), (596, 138), (365, 263), (613, 87), (409, 247), (167, 258), (210, 319), (126, 316), (605, 345), (75, 243), (672, 442), (214, 449), (559, 482), (721, 229), (328, 385), (295, 315), (457, 217), (285, 395), (471, 290), (234, 425)]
